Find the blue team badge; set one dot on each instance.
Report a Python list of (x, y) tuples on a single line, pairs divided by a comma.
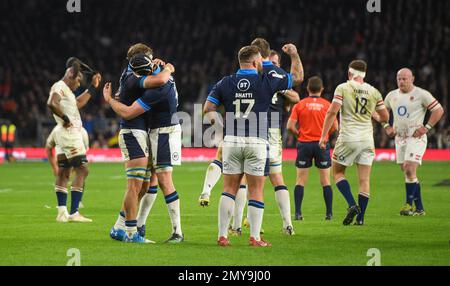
[(243, 84)]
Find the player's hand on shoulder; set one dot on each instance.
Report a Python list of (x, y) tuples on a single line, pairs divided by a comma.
[(420, 131), (169, 67), (159, 62), (107, 91), (290, 49)]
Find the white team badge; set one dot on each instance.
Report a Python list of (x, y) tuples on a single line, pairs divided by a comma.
[(275, 74), (243, 84)]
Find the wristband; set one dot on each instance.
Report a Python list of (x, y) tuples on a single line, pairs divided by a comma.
[(428, 126), (92, 90), (66, 119), (386, 125)]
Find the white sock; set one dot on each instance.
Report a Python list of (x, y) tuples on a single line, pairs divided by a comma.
[(131, 230), (284, 205), (173, 206), (62, 209), (212, 176), (240, 202), (144, 208), (226, 209), (120, 222), (255, 217)]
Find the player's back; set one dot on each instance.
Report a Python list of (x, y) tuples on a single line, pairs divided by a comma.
[(246, 97), (310, 113), (162, 103), (129, 92), (358, 101)]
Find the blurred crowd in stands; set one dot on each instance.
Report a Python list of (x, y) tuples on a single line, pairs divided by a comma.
[(201, 38)]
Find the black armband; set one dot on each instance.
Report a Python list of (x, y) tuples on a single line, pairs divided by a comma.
[(92, 90), (66, 119)]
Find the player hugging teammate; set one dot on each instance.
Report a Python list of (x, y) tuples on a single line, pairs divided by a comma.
[(150, 140)]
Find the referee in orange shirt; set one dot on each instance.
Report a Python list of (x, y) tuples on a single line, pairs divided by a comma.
[(309, 114)]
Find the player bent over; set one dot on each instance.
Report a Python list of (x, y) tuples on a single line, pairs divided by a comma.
[(165, 138), (409, 104), (69, 138), (356, 100), (310, 113), (246, 97)]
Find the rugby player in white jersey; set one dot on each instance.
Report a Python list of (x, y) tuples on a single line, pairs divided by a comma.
[(68, 137), (357, 101), (409, 104)]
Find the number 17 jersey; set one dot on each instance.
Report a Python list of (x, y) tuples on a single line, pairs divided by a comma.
[(358, 102)]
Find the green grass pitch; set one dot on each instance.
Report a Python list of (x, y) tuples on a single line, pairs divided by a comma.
[(31, 236)]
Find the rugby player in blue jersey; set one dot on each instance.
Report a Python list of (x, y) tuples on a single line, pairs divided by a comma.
[(134, 142), (165, 137), (246, 97)]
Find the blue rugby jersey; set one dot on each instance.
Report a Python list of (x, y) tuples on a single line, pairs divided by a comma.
[(246, 97), (277, 101), (161, 104), (130, 89)]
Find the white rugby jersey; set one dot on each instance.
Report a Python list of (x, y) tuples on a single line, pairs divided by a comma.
[(358, 102), (68, 104), (409, 109)]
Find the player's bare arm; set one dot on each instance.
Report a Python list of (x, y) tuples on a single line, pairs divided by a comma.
[(161, 78), (83, 98), (330, 118), (435, 116), (209, 106), (292, 126), (55, 107), (292, 96), (124, 111), (390, 131), (296, 64)]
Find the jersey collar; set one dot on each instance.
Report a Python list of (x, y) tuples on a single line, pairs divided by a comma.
[(246, 71), (267, 63)]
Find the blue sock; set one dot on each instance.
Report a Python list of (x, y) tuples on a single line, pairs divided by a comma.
[(131, 223), (62, 199), (171, 198), (410, 190), (344, 188), (298, 198), (328, 197), (152, 190), (418, 198), (362, 202), (75, 201)]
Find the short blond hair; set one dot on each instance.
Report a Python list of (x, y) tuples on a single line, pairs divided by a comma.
[(138, 49)]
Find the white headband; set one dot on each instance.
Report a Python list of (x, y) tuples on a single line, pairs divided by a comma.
[(357, 73)]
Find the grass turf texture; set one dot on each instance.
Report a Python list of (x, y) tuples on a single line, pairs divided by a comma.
[(31, 236)]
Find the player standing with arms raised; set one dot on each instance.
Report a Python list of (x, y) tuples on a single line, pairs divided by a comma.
[(356, 101), (409, 104)]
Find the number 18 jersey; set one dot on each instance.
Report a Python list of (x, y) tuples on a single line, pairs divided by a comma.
[(358, 102)]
